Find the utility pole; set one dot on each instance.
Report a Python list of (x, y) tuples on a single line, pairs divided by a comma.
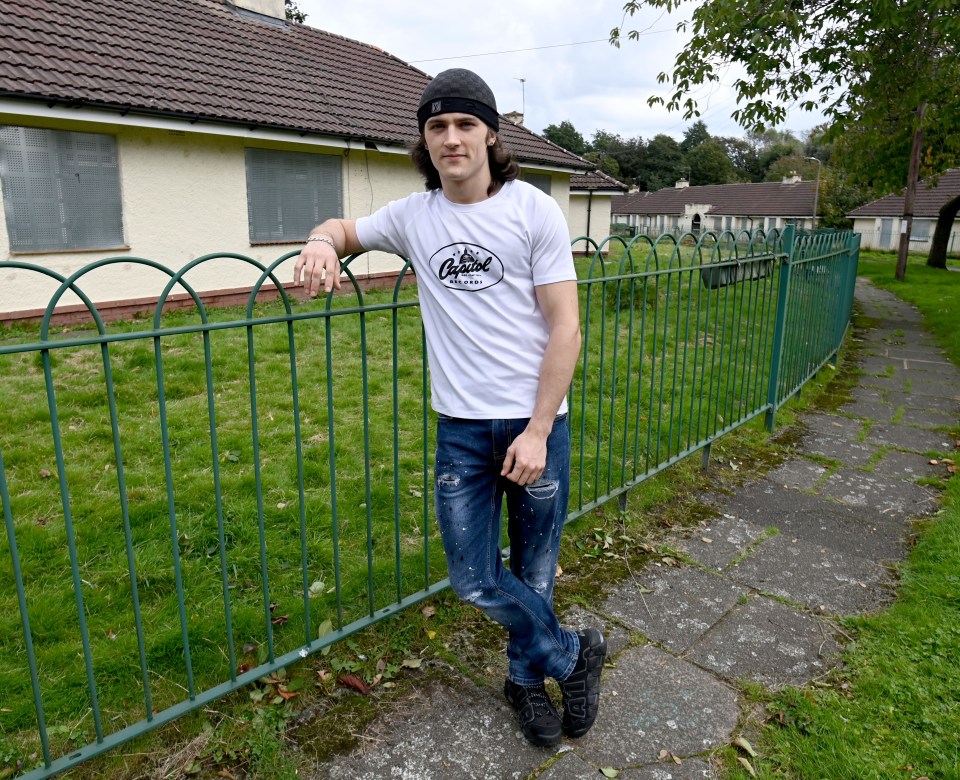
[(816, 191)]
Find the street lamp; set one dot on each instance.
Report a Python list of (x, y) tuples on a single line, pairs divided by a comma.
[(816, 191)]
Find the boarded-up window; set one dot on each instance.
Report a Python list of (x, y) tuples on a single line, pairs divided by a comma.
[(289, 193), (920, 230), (542, 181), (61, 189)]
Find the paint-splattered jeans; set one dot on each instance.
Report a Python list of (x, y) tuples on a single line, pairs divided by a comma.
[(469, 495)]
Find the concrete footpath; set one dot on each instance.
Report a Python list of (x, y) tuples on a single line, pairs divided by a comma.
[(752, 595)]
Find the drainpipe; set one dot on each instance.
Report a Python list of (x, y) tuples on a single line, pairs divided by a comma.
[(586, 246)]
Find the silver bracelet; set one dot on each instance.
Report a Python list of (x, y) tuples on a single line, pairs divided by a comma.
[(325, 239)]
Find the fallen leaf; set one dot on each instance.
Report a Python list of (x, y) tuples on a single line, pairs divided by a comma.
[(287, 695), (745, 746), (44, 474), (609, 771), (316, 588), (746, 765), (934, 462), (559, 570), (429, 611), (411, 663), (352, 681), (227, 774), (279, 620), (282, 505), (663, 755), (706, 540), (431, 635)]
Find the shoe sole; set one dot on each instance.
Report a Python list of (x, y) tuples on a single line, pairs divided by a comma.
[(595, 670)]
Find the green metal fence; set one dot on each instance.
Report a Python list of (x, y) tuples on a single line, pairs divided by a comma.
[(198, 499)]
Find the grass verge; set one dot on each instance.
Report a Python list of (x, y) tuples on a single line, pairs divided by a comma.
[(893, 711)]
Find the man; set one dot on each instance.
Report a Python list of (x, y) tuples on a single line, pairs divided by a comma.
[(498, 297)]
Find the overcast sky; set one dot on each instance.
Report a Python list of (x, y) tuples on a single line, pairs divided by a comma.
[(559, 48)]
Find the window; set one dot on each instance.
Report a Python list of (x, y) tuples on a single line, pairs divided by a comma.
[(920, 230), (61, 189), (289, 193), (541, 181)]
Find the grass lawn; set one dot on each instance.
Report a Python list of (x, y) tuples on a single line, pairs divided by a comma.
[(893, 711)]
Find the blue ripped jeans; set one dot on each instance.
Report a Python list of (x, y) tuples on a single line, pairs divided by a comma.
[(468, 496)]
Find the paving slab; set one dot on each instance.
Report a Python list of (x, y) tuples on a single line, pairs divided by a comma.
[(797, 474), (652, 701), (834, 426), (672, 605), (870, 409), (577, 618), (927, 418), (572, 767), (439, 733), (688, 769), (888, 495), (769, 643), (852, 453), (825, 523), (716, 543), (815, 576), (896, 383), (907, 465), (907, 437), (948, 404)]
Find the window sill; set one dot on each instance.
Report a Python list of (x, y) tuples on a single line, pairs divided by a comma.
[(34, 252)]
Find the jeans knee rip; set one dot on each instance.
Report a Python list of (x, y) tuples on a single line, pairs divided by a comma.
[(448, 481), (543, 489)]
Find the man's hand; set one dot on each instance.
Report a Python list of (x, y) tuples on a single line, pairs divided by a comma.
[(526, 458), (317, 265)]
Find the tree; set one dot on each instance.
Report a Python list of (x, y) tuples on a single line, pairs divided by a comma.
[(293, 12), (604, 163), (664, 162), (709, 164), (790, 164), (695, 135), (565, 135), (743, 155), (941, 235), (846, 58)]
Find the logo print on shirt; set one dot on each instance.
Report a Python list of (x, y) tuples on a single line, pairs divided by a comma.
[(466, 267)]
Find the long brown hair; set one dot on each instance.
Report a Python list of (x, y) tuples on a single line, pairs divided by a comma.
[(503, 165)]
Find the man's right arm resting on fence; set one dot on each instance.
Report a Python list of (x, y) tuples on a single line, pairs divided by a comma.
[(319, 261)]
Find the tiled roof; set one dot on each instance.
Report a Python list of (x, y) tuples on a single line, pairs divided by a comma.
[(200, 59), (764, 199), (596, 180), (930, 198)]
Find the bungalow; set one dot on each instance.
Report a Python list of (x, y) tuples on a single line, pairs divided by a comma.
[(591, 203), (880, 222), (682, 208), (169, 130)]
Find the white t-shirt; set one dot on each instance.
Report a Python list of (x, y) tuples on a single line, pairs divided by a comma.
[(477, 265)]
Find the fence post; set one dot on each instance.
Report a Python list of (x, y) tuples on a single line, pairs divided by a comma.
[(776, 357)]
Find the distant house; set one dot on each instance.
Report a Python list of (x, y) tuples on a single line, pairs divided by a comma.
[(682, 208), (169, 130), (591, 204), (879, 222)]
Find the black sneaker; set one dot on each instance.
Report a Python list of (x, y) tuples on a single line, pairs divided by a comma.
[(539, 719), (581, 690)]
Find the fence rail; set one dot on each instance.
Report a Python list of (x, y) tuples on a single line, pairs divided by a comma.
[(198, 500)]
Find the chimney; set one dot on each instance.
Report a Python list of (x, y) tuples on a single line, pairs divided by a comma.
[(514, 116), (682, 184), (792, 178), (274, 8)]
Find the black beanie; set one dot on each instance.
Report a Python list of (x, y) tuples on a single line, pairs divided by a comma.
[(458, 91)]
